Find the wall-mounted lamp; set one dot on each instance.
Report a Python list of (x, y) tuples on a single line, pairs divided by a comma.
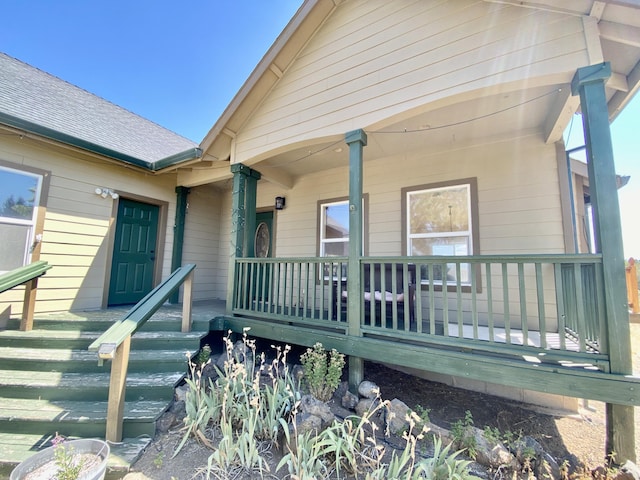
[(106, 192), (280, 201)]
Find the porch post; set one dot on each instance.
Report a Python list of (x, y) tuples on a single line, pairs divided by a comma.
[(356, 140), (178, 234), (250, 209), (238, 218), (589, 83)]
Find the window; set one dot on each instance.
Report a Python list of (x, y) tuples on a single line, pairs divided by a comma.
[(441, 219), (20, 193), (333, 230)]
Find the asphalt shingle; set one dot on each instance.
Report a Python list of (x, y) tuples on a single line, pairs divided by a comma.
[(35, 96)]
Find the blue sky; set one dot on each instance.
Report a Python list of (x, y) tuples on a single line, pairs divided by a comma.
[(180, 63)]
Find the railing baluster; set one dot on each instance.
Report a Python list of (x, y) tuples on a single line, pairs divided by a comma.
[(523, 304), (383, 293), (445, 300), (459, 313), (541, 311), (505, 299), (489, 302), (474, 306), (432, 301), (603, 340), (581, 326), (418, 295), (561, 307), (405, 302)]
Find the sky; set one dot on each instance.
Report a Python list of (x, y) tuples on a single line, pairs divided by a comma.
[(180, 63)]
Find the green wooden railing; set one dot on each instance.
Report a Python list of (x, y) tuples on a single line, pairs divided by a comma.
[(543, 306), (115, 343), (27, 275)]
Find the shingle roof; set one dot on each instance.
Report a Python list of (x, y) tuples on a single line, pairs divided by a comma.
[(34, 96)]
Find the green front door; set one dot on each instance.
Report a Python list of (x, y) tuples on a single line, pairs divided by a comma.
[(134, 252)]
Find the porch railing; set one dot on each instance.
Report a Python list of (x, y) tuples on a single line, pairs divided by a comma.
[(114, 344), (28, 276), (549, 307)]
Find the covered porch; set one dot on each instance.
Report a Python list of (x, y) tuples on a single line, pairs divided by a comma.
[(554, 323)]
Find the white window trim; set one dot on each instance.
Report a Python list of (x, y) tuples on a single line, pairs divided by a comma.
[(31, 224)]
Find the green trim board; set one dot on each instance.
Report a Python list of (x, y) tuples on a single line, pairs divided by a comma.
[(574, 382), (170, 161)]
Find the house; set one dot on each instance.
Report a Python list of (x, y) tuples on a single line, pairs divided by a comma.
[(397, 137)]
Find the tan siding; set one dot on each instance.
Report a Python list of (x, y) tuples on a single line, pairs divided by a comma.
[(76, 227), (202, 241), (374, 60)]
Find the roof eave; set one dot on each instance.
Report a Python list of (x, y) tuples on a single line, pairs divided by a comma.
[(179, 159), (269, 65), (51, 134)]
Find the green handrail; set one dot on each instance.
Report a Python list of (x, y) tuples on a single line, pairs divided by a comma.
[(22, 275), (135, 318), (115, 343)]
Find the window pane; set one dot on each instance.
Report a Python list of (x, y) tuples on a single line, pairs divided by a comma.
[(18, 193), (439, 210), (448, 246), (440, 246), (336, 221), (336, 249), (13, 245)]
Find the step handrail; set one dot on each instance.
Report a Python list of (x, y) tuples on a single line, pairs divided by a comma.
[(27, 275), (114, 344)]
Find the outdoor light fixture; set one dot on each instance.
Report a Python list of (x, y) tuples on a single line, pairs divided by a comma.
[(106, 192), (280, 201)]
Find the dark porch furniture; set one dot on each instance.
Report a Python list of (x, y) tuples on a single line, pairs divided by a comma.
[(389, 295)]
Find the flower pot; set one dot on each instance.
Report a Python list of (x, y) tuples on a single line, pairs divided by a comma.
[(45, 458)]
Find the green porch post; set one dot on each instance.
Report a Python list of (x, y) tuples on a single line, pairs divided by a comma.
[(250, 210), (356, 140), (178, 233), (589, 83), (238, 221)]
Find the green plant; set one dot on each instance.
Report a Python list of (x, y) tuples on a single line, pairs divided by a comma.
[(158, 461), (322, 371), (445, 465), (204, 354), (463, 436), (68, 463)]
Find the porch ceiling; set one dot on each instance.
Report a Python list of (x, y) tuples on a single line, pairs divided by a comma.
[(435, 128)]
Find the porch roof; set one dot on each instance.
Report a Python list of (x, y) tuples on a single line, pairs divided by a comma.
[(613, 25)]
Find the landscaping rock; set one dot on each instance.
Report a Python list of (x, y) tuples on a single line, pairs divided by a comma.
[(397, 413), (365, 405), (306, 422), (490, 453), (349, 400), (628, 471), (312, 406), (541, 463), (368, 389)]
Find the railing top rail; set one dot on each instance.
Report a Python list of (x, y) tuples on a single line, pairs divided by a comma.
[(516, 258), (135, 318), (22, 275)]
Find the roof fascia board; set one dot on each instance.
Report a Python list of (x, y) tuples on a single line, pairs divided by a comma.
[(60, 137), (263, 67), (177, 159)]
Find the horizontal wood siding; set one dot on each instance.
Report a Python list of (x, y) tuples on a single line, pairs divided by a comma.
[(77, 222), (202, 242), (374, 60), (518, 203)]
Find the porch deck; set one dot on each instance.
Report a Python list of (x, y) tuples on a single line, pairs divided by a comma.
[(530, 321)]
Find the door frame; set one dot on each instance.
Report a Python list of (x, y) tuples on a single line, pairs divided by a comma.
[(163, 208), (274, 222)]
